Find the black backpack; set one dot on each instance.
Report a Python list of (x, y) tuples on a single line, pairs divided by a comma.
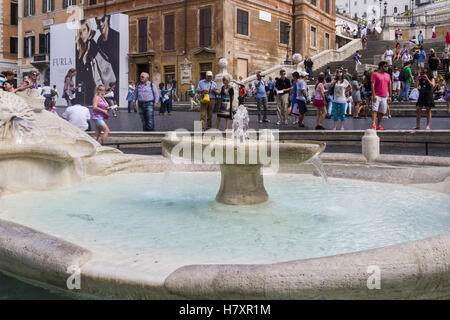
[(404, 75)]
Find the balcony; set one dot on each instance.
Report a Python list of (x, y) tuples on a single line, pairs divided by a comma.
[(40, 59)]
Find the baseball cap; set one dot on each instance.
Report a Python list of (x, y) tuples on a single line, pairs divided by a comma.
[(209, 73), (303, 74)]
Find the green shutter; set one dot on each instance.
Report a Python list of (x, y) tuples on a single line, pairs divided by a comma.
[(44, 6), (65, 4), (25, 47), (32, 7), (53, 5), (25, 9), (33, 45)]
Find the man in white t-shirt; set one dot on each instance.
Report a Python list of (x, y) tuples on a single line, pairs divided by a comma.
[(78, 116), (388, 54)]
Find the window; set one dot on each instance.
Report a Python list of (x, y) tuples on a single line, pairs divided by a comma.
[(365, 1), (169, 31), (327, 41), (313, 2), (28, 46), (242, 22), (91, 2), (44, 43), (284, 35), (406, 8), (68, 3), (327, 6), (28, 8), (356, 3), (204, 67), (48, 5), (14, 14), (205, 27), (169, 74), (313, 37), (142, 34), (395, 9), (13, 45)]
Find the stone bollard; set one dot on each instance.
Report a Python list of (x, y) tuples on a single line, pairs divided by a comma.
[(370, 145)]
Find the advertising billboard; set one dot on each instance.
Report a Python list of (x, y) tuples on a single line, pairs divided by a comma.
[(97, 50)]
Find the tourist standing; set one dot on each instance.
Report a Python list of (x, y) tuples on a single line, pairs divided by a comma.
[(283, 86), (99, 113), (397, 84), (242, 93), (164, 98), (130, 93), (433, 32), (388, 55), (447, 40), (446, 60), (192, 96), (329, 96), (207, 88), (382, 91), (173, 91), (407, 78), (357, 58), (69, 86), (271, 89), (261, 98), (406, 57), (447, 92), (433, 63), (226, 106), (356, 95), (309, 67), (422, 57), (426, 85), (147, 96), (420, 37), (340, 87), (319, 102), (301, 90)]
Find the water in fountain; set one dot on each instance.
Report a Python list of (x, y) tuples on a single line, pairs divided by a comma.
[(240, 124), (24, 131), (318, 165)]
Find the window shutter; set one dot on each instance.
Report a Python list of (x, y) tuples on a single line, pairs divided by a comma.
[(65, 5), (44, 6), (142, 34), (42, 43), (25, 47), (205, 27), (32, 45), (32, 7), (169, 32), (47, 42), (53, 5), (25, 8)]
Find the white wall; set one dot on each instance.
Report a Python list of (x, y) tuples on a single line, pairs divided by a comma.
[(366, 6)]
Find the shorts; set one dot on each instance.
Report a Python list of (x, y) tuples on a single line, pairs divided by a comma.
[(99, 122), (397, 85), (319, 103), (302, 106), (422, 65), (389, 61), (380, 105)]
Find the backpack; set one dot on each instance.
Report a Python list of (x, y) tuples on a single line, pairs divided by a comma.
[(404, 75)]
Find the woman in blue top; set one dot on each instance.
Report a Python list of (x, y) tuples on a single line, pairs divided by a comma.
[(131, 89)]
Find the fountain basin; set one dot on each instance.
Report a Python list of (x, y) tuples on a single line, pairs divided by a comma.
[(242, 182)]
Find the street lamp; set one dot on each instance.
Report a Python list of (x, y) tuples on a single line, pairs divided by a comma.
[(288, 31), (380, 1), (385, 13), (413, 23)]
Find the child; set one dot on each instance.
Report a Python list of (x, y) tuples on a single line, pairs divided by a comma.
[(165, 98), (109, 97)]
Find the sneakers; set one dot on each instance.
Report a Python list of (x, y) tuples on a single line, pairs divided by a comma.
[(373, 126), (385, 117), (380, 128), (286, 122), (278, 123), (260, 121), (266, 120)]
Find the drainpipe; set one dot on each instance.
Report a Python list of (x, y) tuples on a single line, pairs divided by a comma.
[(185, 26), (293, 28)]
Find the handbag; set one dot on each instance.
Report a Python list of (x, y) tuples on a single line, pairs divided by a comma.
[(205, 97)]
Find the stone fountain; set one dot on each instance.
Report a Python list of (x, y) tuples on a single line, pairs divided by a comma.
[(240, 157)]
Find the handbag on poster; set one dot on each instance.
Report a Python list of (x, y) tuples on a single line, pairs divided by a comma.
[(102, 70)]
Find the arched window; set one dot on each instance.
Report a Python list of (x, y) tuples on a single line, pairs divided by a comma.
[(395, 9)]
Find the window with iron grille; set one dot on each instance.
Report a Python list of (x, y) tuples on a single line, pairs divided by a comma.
[(205, 27), (169, 74), (313, 2), (28, 46), (91, 2), (169, 32), (284, 35), (242, 22), (142, 35), (44, 43)]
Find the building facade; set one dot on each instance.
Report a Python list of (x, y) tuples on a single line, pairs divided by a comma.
[(367, 8), (8, 35), (182, 39), (35, 19)]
